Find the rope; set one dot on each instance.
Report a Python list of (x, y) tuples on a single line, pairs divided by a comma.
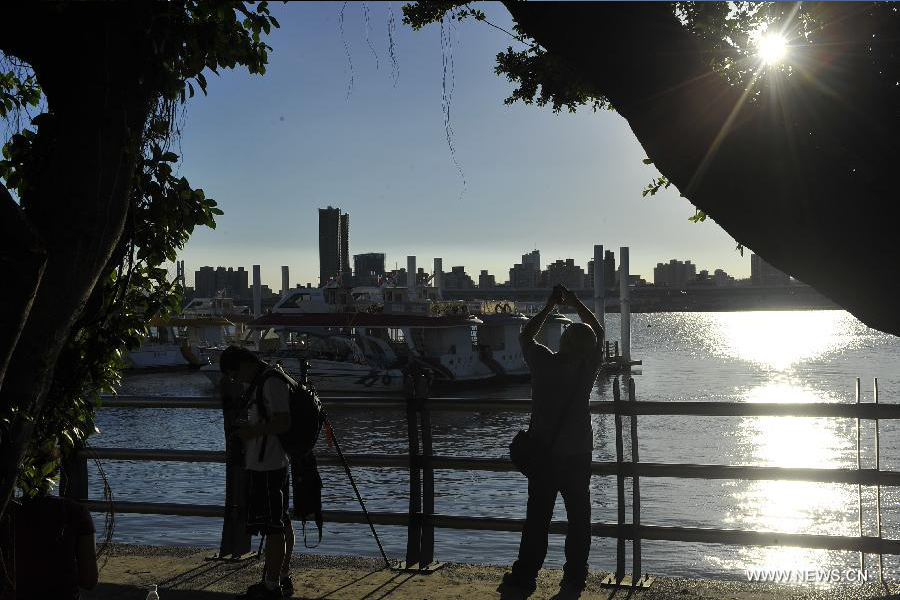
[(362, 504)]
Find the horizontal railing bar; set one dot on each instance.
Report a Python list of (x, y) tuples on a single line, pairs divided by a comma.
[(755, 409), (754, 473), (155, 454), (709, 409), (737, 537), (683, 471)]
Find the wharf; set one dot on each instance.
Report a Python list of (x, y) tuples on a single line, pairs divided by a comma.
[(183, 573)]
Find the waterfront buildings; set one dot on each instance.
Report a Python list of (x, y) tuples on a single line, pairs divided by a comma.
[(457, 279), (764, 274), (675, 274), (527, 274), (486, 281), (565, 272), (368, 268), (209, 282)]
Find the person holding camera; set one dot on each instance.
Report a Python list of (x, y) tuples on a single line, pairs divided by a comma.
[(268, 414), (561, 384)]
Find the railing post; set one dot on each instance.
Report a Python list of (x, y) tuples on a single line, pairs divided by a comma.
[(236, 542), (74, 476), (420, 534), (862, 556), (620, 485), (878, 487), (414, 530), (637, 577), (427, 549)]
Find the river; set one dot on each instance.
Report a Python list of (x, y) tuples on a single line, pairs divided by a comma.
[(790, 356)]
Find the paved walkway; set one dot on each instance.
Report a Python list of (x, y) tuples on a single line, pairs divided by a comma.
[(185, 574)]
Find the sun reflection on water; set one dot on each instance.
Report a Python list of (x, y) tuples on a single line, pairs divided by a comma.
[(792, 506), (778, 340)]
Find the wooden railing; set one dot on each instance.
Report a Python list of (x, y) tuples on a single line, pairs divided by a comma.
[(421, 519)]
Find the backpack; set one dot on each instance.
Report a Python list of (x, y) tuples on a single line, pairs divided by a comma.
[(307, 414)]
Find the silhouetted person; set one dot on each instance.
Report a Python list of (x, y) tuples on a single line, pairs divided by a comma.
[(55, 551), (267, 392), (561, 384)]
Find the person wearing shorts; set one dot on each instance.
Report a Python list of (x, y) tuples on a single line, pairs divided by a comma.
[(267, 464)]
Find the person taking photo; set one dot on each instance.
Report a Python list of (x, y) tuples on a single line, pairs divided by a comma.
[(561, 384)]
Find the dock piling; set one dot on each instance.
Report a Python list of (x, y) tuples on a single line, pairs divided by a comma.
[(624, 304)]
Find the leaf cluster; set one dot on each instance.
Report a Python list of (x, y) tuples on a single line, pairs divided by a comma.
[(184, 39)]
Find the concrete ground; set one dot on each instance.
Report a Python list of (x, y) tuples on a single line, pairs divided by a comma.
[(186, 573)]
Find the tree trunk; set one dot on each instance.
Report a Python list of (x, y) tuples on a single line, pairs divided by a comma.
[(22, 260), (802, 179), (79, 201)]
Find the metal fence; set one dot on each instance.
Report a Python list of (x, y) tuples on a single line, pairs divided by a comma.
[(421, 520)]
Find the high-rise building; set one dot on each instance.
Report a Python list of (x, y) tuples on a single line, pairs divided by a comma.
[(486, 281), (609, 269), (762, 273), (674, 274), (334, 244), (532, 260), (209, 282), (368, 268), (527, 274), (345, 246), (458, 279), (565, 272)]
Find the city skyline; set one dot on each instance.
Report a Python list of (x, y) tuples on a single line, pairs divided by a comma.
[(273, 149), (271, 277)]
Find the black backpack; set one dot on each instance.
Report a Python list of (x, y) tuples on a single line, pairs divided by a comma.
[(307, 414)]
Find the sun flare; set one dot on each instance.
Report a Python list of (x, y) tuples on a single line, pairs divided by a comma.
[(772, 48)]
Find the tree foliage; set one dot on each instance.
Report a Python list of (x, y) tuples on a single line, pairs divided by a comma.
[(182, 41)]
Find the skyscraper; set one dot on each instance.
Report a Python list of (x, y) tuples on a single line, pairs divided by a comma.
[(345, 247), (762, 273), (334, 243), (368, 268)]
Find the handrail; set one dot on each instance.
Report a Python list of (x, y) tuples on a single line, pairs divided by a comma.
[(867, 544), (707, 409), (602, 468), (421, 519)]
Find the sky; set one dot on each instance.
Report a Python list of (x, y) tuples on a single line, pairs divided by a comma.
[(273, 149)]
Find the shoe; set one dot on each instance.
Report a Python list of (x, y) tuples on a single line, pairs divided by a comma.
[(569, 589), (513, 586), (287, 586), (259, 591)]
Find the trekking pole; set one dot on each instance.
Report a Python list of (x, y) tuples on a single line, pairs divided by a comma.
[(362, 504)]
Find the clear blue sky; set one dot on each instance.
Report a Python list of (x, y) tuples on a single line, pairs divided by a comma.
[(273, 149)]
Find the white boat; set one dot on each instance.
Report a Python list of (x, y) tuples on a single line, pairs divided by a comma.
[(164, 348), (498, 337), (192, 338)]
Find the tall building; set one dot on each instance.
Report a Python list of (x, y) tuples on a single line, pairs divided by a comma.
[(565, 272), (527, 274), (458, 279), (486, 281), (609, 269), (209, 282), (674, 274), (334, 244), (345, 246), (762, 273), (368, 268)]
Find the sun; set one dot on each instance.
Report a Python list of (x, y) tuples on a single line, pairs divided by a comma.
[(771, 48)]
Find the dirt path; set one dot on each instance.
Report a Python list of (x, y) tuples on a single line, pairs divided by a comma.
[(185, 573)]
